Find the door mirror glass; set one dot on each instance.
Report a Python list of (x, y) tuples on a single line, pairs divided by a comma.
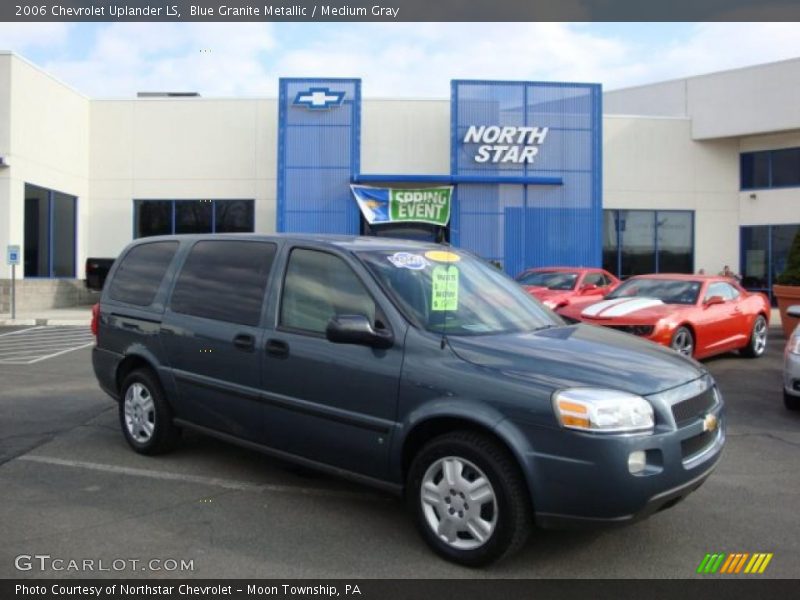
[(356, 329)]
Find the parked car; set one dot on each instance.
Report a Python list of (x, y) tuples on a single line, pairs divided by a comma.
[(791, 365), (696, 315), (388, 362), (556, 287), (96, 272)]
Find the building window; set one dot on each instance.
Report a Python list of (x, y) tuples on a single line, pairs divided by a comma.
[(764, 251), (636, 242), (770, 169), (164, 217), (50, 233)]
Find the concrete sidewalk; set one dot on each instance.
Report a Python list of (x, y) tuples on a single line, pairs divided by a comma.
[(79, 315)]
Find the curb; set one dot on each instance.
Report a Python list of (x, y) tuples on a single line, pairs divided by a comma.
[(45, 322)]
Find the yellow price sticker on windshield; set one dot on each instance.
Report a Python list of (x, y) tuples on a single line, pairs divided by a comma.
[(445, 288), (442, 256)]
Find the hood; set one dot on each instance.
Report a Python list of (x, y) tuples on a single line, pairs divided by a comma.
[(543, 293), (580, 355), (639, 308)]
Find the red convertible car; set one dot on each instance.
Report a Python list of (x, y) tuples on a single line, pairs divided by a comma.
[(556, 287), (696, 315)]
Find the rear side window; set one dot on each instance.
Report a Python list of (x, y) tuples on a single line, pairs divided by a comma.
[(224, 280), (139, 275)]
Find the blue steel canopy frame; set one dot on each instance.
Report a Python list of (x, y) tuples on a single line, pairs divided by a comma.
[(545, 213)]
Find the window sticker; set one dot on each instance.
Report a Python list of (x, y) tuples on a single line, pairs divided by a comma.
[(445, 288), (406, 260), (442, 256)]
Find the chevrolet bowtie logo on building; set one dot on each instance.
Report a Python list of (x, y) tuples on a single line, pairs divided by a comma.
[(735, 563), (319, 98)]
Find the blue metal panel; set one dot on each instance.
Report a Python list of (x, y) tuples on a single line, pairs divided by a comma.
[(318, 155), (526, 225)]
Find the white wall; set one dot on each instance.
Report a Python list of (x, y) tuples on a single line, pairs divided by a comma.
[(652, 163), (47, 129), (8, 233), (749, 101), (189, 148), (405, 137)]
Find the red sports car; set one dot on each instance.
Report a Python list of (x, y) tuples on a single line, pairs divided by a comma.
[(557, 287), (696, 315)]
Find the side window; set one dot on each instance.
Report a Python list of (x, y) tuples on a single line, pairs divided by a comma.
[(594, 279), (727, 291), (224, 280), (319, 286), (140, 273)]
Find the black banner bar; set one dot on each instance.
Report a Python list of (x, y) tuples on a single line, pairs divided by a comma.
[(399, 10), (734, 588)]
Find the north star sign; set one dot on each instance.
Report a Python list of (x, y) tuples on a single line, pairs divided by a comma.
[(505, 144)]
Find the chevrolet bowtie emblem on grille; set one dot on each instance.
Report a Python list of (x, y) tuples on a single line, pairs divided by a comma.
[(710, 423), (319, 98)]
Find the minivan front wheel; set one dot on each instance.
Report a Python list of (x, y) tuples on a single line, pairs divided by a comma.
[(468, 498), (145, 416)]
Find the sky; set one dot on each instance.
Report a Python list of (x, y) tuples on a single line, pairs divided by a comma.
[(108, 60)]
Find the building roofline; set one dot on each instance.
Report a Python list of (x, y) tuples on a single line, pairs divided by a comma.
[(704, 75), (44, 72)]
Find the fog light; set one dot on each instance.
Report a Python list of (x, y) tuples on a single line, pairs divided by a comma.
[(637, 461)]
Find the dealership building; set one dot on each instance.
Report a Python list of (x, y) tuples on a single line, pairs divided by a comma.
[(678, 176)]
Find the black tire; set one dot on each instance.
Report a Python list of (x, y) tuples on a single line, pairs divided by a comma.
[(791, 402), (164, 435), (513, 517), (754, 347), (683, 336)]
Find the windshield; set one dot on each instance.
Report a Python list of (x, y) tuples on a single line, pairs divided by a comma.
[(453, 292), (553, 280), (669, 291)]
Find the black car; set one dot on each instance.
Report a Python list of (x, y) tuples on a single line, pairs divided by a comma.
[(413, 367)]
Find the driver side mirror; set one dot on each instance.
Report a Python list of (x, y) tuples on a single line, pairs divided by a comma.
[(356, 329), (589, 288), (714, 300)]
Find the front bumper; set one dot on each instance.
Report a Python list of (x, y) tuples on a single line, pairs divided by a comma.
[(581, 479), (791, 374)]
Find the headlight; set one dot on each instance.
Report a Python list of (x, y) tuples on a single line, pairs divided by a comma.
[(552, 304), (602, 410), (793, 345)]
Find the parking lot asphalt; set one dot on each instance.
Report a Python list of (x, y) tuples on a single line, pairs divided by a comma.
[(71, 488)]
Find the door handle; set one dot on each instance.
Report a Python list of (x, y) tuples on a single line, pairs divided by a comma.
[(245, 341), (277, 348)]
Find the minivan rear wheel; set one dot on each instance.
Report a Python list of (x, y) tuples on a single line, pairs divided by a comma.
[(145, 416), (468, 498)]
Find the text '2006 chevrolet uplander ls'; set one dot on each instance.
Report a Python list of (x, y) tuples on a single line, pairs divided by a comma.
[(414, 367)]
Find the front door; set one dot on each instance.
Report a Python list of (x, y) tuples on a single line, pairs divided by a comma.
[(332, 403)]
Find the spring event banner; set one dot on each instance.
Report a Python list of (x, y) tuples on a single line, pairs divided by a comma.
[(389, 205)]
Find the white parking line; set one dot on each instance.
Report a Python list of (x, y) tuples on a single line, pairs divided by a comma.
[(228, 484), (35, 344)]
